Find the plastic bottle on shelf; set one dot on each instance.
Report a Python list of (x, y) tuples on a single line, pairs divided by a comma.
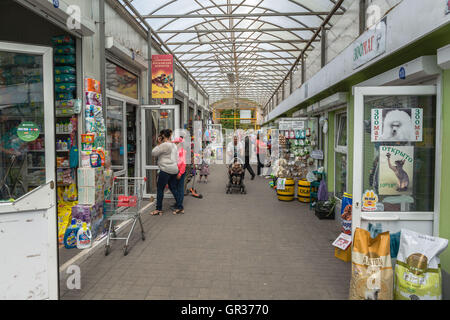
[(70, 127), (57, 127), (84, 237), (71, 235)]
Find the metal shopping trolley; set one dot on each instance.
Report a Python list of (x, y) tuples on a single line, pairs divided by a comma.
[(124, 203)]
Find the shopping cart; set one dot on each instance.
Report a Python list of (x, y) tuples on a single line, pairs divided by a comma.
[(124, 203)]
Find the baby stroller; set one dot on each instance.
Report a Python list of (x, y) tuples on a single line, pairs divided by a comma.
[(236, 174)]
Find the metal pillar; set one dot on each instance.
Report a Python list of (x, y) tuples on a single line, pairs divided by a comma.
[(149, 70), (323, 48), (362, 16)]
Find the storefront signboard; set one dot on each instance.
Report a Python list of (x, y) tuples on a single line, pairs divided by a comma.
[(293, 124), (245, 114), (370, 45), (396, 170), (162, 76), (317, 154), (397, 125)]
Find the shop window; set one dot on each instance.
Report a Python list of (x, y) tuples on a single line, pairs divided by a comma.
[(121, 81), (340, 170), (399, 158), (22, 150)]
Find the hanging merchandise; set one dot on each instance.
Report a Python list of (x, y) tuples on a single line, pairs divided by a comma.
[(87, 141), (417, 271)]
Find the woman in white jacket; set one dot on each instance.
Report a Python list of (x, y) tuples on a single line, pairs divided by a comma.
[(167, 155)]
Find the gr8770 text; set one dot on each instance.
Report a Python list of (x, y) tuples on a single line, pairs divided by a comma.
[(247, 309)]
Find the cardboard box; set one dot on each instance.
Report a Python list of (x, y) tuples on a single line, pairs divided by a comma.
[(344, 255), (91, 177)]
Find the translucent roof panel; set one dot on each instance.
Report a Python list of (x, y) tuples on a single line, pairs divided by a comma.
[(237, 48)]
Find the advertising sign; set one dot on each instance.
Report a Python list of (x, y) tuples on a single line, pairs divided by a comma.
[(28, 131), (397, 125), (370, 44), (245, 114), (162, 76), (396, 170), (370, 200)]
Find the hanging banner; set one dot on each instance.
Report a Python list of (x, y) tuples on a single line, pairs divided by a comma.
[(397, 124), (396, 170), (162, 76)]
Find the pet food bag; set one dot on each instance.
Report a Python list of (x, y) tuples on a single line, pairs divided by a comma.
[(372, 275), (417, 271), (346, 214)]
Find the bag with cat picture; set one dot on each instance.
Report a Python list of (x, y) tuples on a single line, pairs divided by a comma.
[(372, 275), (417, 271)]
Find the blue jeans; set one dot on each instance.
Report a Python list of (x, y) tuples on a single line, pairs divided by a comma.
[(179, 191), (165, 178)]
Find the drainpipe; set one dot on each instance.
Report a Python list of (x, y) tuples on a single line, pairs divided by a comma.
[(149, 70)]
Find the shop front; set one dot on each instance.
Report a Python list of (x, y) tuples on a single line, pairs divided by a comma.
[(397, 147)]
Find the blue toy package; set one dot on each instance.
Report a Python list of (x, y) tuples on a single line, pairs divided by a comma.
[(65, 87), (68, 49), (65, 59), (60, 78), (64, 95), (70, 236), (58, 40), (65, 70)]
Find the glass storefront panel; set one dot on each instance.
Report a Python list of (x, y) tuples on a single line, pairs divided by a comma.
[(22, 155), (115, 135), (121, 81), (400, 151), (340, 174)]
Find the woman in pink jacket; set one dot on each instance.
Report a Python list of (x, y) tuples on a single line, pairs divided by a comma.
[(179, 188)]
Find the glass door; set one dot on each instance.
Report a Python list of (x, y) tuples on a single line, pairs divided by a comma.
[(394, 178), (116, 139), (155, 119), (28, 237)]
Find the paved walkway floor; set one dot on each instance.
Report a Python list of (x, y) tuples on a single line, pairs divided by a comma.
[(224, 247)]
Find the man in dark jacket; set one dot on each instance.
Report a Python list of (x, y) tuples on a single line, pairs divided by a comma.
[(247, 157)]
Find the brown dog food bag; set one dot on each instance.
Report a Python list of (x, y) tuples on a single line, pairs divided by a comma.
[(372, 274)]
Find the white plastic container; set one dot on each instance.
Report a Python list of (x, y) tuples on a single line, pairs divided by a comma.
[(84, 237)]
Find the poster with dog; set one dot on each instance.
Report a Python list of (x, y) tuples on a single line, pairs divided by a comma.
[(396, 170), (405, 124)]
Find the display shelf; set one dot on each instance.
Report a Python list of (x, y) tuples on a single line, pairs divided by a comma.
[(63, 168), (43, 150), (65, 115), (64, 133), (63, 150), (36, 168)]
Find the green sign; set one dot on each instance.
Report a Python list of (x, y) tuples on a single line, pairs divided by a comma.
[(28, 131)]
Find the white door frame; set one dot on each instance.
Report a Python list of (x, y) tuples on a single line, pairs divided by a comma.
[(121, 98), (39, 204), (145, 148), (358, 174)]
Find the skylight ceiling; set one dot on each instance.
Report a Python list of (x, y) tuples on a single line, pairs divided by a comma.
[(238, 48)]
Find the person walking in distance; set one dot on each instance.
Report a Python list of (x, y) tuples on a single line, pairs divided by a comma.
[(167, 155), (247, 157)]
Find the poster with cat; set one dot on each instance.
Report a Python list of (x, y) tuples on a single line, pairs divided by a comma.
[(396, 170)]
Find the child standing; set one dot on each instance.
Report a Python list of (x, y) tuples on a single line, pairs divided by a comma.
[(204, 166)]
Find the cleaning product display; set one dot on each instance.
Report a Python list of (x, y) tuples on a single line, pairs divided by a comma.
[(84, 237)]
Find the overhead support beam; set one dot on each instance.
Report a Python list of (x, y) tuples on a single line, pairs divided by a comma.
[(245, 65), (223, 59), (238, 15), (226, 42), (230, 52), (236, 30), (302, 54)]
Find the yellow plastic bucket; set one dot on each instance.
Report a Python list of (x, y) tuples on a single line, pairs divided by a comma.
[(288, 193), (304, 191)]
